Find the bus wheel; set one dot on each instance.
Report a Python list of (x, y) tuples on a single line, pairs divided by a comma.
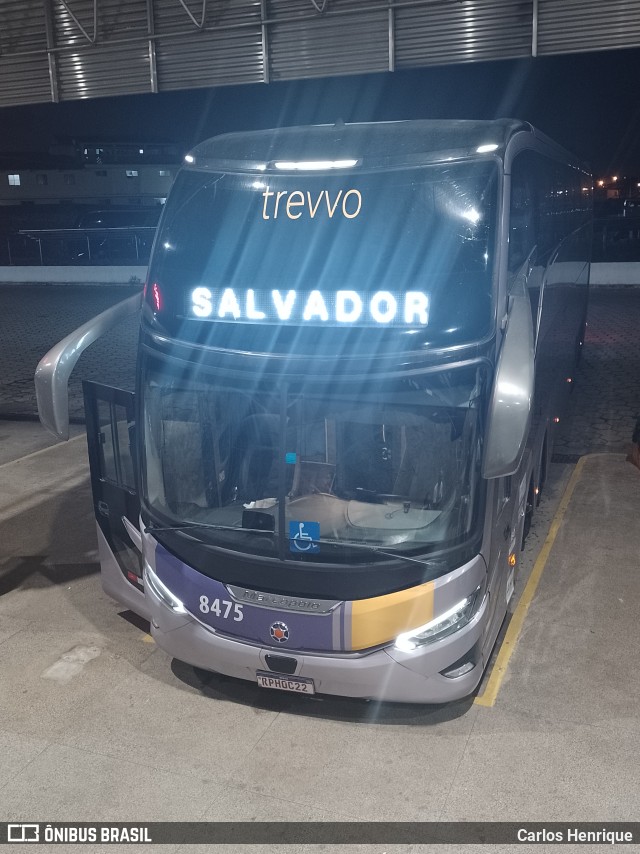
[(543, 473), (528, 513)]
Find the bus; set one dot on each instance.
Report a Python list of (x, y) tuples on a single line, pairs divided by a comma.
[(356, 342)]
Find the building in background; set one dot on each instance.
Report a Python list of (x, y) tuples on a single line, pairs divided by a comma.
[(49, 189)]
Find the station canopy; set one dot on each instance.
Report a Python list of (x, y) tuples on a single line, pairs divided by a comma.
[(59, 50)]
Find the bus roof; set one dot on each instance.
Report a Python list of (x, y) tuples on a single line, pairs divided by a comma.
[(373, 143)]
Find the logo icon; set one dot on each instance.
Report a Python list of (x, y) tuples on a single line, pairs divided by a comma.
[(279, 632), (23, 833), (304, 537)]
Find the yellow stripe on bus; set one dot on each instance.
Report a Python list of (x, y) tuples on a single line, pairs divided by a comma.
[(381, 619)]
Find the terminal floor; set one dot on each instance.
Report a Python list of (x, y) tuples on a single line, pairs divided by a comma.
[(96, 723)]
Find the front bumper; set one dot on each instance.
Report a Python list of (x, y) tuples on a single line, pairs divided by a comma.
[(384, 674)]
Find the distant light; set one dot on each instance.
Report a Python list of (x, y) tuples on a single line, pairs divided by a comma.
[(615, 178), (141, 151), (168, 246), (313, 165), (485, 149), (586, 189), (189, 158), (601, 184)]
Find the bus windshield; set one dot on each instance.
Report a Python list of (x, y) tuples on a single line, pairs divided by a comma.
[(426, 231), (303, 473)]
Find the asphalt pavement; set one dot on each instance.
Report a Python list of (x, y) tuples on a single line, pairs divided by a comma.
[(35, 317)]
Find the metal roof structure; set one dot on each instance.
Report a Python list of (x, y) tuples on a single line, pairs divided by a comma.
[(59, 50)]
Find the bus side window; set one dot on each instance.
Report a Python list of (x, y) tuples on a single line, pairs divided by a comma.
[(524, 236), (521, 232)]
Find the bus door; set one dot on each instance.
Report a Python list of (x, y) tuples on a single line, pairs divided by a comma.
[(111, 444)]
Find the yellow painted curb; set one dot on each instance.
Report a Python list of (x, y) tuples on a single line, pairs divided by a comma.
[(490, 693)]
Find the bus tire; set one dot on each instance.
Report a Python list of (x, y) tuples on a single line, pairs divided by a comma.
[(528, 513), (542, 479)]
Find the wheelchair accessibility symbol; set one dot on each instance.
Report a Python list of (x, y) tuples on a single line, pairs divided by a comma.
[(304, 536)]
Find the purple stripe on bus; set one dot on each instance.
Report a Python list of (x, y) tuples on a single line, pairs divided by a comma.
[(199, 594)]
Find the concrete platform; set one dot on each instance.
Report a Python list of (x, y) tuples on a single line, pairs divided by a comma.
[(96, 723)]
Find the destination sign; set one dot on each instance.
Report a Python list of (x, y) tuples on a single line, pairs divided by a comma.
[(309, 308)]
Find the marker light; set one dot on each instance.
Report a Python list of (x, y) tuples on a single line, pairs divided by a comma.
[(313, 165), (152, 296), (161, 590), (446, 624), (189, 158), (486, 149), (156, 296)]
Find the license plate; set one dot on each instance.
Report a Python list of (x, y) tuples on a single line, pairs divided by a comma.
[(296, 684)]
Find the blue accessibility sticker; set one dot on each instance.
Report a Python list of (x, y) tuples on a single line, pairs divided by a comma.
[(304, 537)]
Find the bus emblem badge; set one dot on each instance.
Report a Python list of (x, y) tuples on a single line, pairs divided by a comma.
[(279, 632)]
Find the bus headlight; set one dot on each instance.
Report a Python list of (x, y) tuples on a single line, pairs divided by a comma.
[(162, 591), (446, 624)]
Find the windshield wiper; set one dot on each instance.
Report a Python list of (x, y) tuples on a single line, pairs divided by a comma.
[(355, 544), (352, 544), (152, 527)]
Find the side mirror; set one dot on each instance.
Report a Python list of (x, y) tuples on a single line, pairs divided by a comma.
[(511, 398), (55, 367)]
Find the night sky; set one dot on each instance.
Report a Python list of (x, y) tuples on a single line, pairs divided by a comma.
[(587, 102)]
